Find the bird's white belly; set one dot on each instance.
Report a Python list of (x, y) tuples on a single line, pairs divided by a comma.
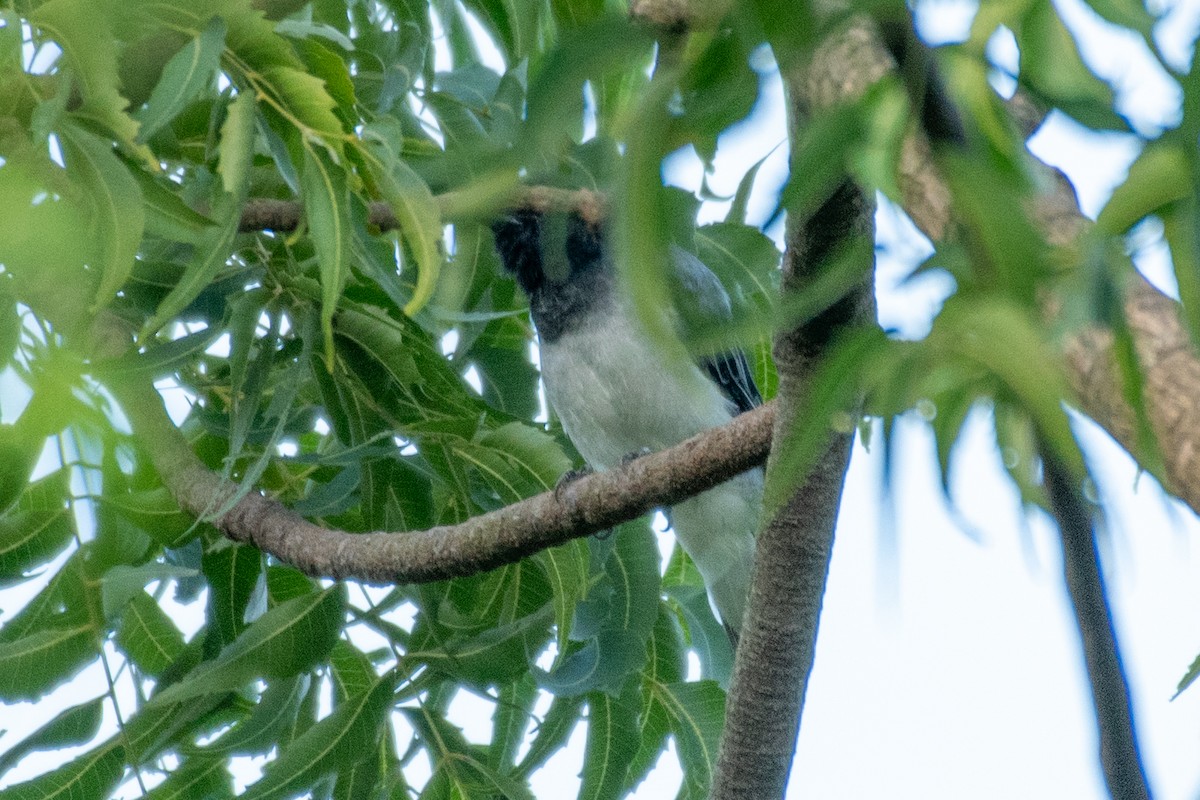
[(616, 395)]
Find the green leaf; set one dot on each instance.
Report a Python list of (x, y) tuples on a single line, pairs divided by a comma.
[(123, 583), (551, 733), (555, 100), (566, 567), (1179, 230), (20, 448), (77, 725), (156, 512), (159, 725), (1127, 13), (575, 13), (210, 256), (697, 714), (197, 777), (418, 215), (118, 217), (327, 208), (514, 25), (350, 671), (81, 28), (93, 774), (362, 780), (237, 144), (458, 763), (1025, 364), (836, 388), (29, 539), (275, 711), (627, 605), (331, 68), (1189, 677), (31, 666), (305, 102), (188, 73), (514, 709), (612, 742), (44, 247), (665, 665), (334, 743), (167, 216), (289, 639), (707, 637), (232, 571), (1052, 68), (1160, 175), (147, 635), (10, 328), (49, 607), (535, 460), (495, 655)]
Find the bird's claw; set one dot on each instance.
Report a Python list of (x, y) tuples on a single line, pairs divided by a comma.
[(569, 477), (629, 458)]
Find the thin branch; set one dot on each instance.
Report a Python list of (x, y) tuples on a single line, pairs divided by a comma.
[(579, 508), (1119, 754), (285, 216)]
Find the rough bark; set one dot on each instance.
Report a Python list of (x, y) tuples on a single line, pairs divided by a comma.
[(581, 507), (267, 214), (777, 649)]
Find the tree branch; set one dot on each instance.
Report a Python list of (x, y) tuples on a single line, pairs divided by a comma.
[(777, 650), (1119, 755), (1062, 224), (579, 508), (266, 214)]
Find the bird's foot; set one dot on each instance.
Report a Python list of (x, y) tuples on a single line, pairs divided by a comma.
[(629, 458), (569, 477)]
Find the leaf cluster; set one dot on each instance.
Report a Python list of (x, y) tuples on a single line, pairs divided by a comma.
[(383, 380)]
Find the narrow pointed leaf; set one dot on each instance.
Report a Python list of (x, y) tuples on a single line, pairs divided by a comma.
[(118, 217), (289, 639), (236, 154), (187, 74), (82, 29), (147, 634), (198, 777), (419, 218), (612, 743), (93, 775), (29, 539), (74, 726), (327, 208), (167, 216), (334, 743), (697, 714), (32, 666)]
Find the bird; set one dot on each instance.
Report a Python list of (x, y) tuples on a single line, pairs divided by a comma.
[(617, 392)]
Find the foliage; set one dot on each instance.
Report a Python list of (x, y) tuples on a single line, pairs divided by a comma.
[(382, 381)]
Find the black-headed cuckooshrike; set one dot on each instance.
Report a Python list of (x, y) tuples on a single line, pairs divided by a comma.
[(615, 392)]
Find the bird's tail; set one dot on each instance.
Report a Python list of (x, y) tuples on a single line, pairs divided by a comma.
[(717, 530)]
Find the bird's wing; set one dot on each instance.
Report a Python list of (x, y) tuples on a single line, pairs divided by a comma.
[(701, 301), (732, 374)]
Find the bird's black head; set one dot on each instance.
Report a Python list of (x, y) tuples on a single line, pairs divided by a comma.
[(558, 260), (539, 247)]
